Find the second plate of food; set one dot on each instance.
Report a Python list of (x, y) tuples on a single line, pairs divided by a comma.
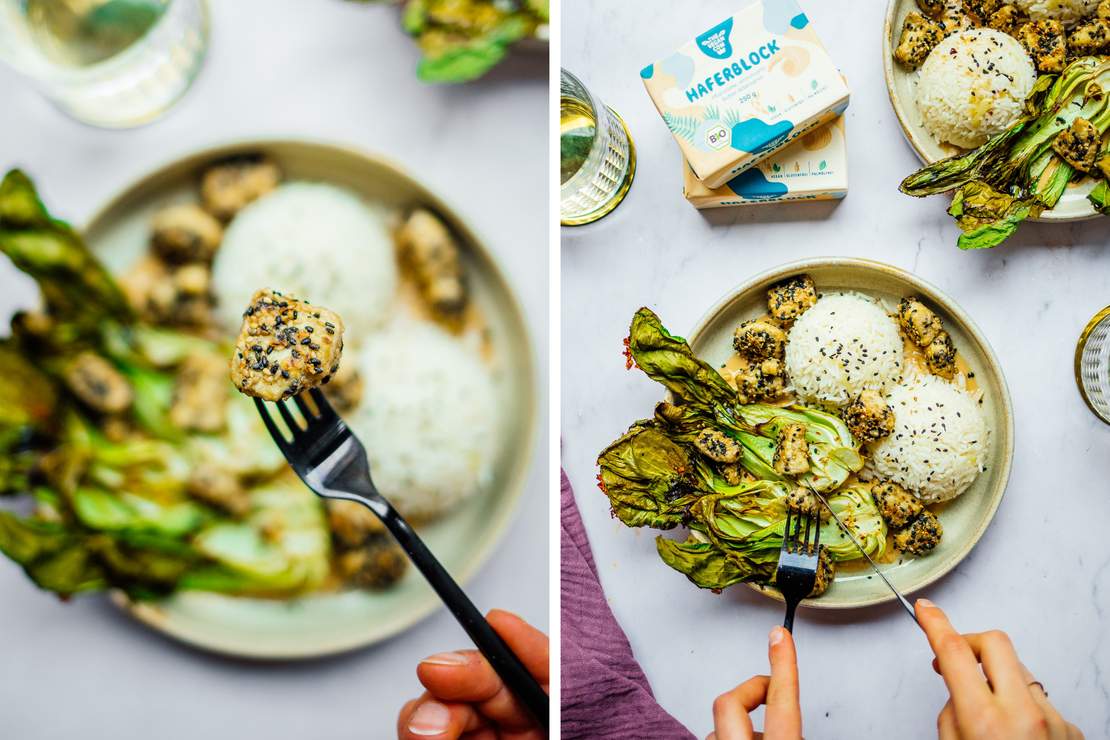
[(949, 442), (949, 103)]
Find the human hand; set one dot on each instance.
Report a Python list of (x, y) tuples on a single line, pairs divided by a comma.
[(1009, 705), (465, 698), (779, 691)]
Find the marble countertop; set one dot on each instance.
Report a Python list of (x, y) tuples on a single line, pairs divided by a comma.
[(1039, 573), (342, 72)]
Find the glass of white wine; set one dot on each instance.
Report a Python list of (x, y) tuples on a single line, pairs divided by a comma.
[(111, 63), (1092, 364), (596, 154)]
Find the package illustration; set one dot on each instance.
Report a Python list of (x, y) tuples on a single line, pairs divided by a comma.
[(814, 167), (745, 88)]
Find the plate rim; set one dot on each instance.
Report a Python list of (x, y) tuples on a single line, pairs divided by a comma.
[(149, 613), (908, 134), (994, 367)]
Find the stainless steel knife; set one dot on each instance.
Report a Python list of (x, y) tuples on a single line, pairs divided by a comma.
[(851, 536)]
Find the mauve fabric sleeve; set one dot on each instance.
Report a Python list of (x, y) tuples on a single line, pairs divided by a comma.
[(605, 694)]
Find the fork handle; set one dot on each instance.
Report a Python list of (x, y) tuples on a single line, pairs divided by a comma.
[(788, 623), (507, 665)]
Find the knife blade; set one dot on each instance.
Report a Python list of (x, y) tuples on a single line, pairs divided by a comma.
[(851, 536)]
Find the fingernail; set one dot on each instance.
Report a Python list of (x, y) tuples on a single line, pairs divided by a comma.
[(776, 636), (446, 659), (431, 718), (926, 603)]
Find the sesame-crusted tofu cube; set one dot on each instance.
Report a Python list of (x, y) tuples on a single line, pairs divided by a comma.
[(762, 381), (1006, 19), (734, 474), (931, 8), (1045, 42), (200, 393), (940, 356), (717, 446), (869, 417), (429, 251), (791, 298), (231, 184), (376, 565), (919, 323), (1090, 38), (826, 572), (921, 536), (1078, 145), (98, 384), (285, 346), (896, 505), (1103, 10), (919, 36), (981, 10), (803, 501), (185, 233), (792, 452), (759, 339)]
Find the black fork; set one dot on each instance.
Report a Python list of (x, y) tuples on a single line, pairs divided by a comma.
[(332, 462), (797, 570)]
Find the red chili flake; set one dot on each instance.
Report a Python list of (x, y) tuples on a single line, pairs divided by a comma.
[(629, 363)]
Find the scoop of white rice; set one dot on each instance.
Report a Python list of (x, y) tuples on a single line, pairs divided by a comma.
[(844, 345), (317, 242), (973, 85), (940, 440), (1068, 11), (428, 417)]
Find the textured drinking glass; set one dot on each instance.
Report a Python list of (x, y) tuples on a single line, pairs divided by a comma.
[(111, 63), (597, 157), (1092, 364)]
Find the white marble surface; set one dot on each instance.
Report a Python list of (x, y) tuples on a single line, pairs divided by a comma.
[(1042, 572), (329, 70)]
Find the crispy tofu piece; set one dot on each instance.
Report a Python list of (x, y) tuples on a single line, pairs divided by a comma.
[(98, 384), (921, 536), (200, 394), (285, 346), (734, 474), (185, 233), (1046, 43), (169, 295), (376, 565), (803, 501), (931, 8), (940, 356), (763, 381), (791, 298), (1006, 19), (717, 446), (430, 253), (981, 10), (217, 487), (792, 452), (919, 36), (918, 322), (759, 339), (1089, 38), (1078, 145), (1103, 10), (896, 505), (231, 184), (826, 572), (352, 524), (869, 417)]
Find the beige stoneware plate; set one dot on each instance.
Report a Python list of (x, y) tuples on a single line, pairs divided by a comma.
[(901, 84), (964, 519), (331, 623)]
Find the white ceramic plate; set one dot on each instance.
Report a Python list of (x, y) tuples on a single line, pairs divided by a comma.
[(900, 85), (331, 623), (965, 518)]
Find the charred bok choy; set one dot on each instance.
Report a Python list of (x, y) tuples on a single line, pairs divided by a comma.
[(705, 462), (1017, 174), (122, 490)]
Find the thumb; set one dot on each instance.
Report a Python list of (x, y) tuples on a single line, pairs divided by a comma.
[(783, 718)]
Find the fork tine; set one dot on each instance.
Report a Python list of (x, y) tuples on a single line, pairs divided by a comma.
[(809, 523), (287, 416), (791, 527), (306, 410), (271, 427), (322, 404), (817, 536)]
